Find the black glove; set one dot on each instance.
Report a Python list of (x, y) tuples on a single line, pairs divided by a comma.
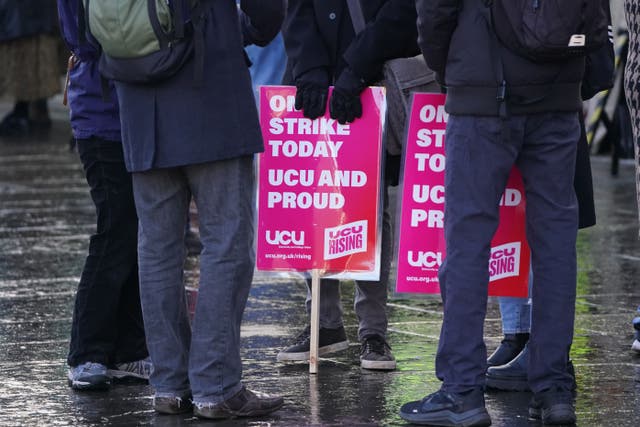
[(311, 93), (345, 105)]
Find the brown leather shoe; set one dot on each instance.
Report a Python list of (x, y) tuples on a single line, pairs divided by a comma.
[(245, 403), (172, 404)]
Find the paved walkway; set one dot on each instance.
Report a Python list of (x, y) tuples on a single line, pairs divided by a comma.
[(46, 217)]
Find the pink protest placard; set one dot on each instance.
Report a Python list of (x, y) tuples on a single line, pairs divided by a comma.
[(421, 245), (319, 188)]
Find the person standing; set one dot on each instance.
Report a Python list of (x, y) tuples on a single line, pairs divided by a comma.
[(107, 332), (505, 110), (323, 50), (186, 139), (29, 71), (507, 366)]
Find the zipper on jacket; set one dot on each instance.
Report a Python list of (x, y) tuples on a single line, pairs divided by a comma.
[(536, 4)]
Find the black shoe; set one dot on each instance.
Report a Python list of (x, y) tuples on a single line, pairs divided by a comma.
[(14, 125), (330, 341), (448, 409), (245, 403), (553, 407), (510, 347), (39, 119), (375, 353), (512, 376)]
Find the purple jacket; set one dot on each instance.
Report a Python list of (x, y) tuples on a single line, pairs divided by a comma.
[(91, 115)]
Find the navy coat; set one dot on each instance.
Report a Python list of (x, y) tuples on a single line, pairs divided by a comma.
[(22, 18), (176, 123)]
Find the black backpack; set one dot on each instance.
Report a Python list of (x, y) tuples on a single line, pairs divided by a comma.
[(550, 30)]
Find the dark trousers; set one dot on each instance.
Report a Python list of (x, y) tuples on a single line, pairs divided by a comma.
[(107, 323), (480, 153)]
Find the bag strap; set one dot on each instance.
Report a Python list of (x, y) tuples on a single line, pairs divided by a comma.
[(357, 17), (497, 63)]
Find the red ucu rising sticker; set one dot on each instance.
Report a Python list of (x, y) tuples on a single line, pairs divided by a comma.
[(345, 239), (504, 261)]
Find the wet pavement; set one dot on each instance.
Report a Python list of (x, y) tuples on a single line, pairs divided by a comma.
[(46, 217)]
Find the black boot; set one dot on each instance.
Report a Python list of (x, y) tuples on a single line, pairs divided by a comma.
[(512, 376), (16, 123), (39, 118), (509, 348)]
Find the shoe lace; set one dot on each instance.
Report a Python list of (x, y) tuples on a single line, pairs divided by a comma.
[(374, 344), (142, 367), (89, 366), (203, 405), (303, 336)]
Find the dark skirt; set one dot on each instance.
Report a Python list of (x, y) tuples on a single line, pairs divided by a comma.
[(29, 68)]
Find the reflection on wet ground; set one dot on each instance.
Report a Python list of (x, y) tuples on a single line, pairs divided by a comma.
[(46, 217)]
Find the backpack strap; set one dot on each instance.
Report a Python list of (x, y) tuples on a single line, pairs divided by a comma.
[(357, 17), (163, 38), (498, 65)]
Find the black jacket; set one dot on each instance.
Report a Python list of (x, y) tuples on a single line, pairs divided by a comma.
[(318, 34), (458, 43)]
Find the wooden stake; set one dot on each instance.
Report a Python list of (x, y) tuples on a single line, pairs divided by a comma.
[(315, 321)]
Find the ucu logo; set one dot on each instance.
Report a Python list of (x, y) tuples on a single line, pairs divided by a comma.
[(345, 239), (504, 261), (424, 259), (347, 231), (284, 237), (505, 252)]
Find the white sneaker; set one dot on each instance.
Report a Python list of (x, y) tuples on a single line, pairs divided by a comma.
[(635, 346), (89, 376), (140, 369)]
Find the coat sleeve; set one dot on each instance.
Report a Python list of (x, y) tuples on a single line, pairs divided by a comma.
[(391, 34), (437, 20), (68, 21), (306, 50), (261, 20)]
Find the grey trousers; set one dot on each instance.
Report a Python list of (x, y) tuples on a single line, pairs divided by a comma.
[(370, 303), (204, 361), (480, 153)]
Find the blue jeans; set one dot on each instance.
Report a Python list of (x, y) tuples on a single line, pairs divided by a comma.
[(204, 362), (479, 158), (516, 312)]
